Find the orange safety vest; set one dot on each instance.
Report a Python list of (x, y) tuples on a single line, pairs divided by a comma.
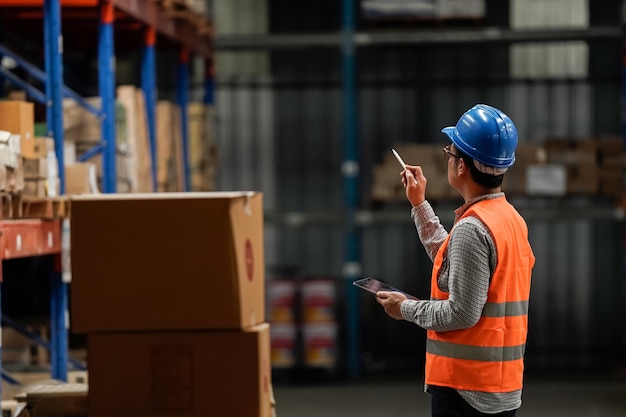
[(489, 356)]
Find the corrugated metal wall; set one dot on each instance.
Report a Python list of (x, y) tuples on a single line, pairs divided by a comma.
[(282, 135)]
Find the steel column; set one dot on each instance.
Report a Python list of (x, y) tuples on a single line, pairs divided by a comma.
[(106, 79), (58, 323), (54, 112), (148, 85), (183, 100), (209, 82), (54, 81), (350, 171)]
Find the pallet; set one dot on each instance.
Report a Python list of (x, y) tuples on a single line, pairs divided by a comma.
[(180, 9), (45, 207), (9, 408), (11, 205), (173, 5)]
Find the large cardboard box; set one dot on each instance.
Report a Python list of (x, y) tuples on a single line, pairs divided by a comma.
[(167, 261), (81, 178), (183, 374), (18, 117), (38, 147)]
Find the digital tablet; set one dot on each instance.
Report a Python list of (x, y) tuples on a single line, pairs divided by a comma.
[(373, 285)]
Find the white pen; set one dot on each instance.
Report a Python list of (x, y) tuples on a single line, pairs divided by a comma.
[(401, 162)]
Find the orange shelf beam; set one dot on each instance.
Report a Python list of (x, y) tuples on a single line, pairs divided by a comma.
[(178, 30), (29, 237)]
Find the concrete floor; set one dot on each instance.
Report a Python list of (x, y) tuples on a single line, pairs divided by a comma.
[(554, 397)]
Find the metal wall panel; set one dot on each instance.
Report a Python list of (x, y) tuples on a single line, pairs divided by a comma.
[(578, 271)]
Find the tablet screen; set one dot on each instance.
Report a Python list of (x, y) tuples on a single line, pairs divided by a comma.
[(373, 285)]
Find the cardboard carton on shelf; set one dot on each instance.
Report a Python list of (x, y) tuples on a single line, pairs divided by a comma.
[(198, 373), (35, 168), (167, 261), (18, 117), (81, 178), (38, 147)]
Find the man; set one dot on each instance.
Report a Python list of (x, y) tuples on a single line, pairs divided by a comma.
[(477, 315)]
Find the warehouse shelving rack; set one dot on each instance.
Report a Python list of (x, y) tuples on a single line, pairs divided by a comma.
[(137, 19)]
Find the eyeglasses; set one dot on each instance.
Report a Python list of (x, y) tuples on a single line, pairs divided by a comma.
[(447, 154)]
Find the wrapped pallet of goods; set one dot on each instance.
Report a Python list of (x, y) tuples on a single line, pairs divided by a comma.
[(202, 150), (138, 160), (387, 185), (83, 132), (170, 169), (578, 157)]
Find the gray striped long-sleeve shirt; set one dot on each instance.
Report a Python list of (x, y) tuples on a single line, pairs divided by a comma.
[(465, 274)]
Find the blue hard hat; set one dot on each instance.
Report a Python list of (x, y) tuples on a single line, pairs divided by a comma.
[(485, 134)]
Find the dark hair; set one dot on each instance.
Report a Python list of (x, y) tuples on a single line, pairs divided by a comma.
[(480, 178)]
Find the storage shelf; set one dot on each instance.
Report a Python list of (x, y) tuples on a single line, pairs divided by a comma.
[(93, 25), (29, 237), (177, 30), (490, 35), (366, 218)]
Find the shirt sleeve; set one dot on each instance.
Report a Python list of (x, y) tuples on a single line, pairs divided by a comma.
[(431, 232), (471, 257)]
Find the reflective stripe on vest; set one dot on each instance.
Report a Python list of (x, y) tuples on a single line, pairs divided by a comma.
[(507, 309), (475, 353)]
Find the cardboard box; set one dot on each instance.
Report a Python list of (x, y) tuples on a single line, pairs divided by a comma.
[(81, 178), (183, 374), (15, 177), (36, 188), (9, 149), (167, 261), (18, 117), (35, 168), (38, 147), (546, 179)]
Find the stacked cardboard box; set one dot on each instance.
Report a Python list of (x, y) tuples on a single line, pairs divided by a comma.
[(41, 173), (17, 123), (527, 155), (387, 185), (579, 159), (170, 291)]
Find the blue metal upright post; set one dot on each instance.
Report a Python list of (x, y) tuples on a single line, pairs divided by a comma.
[(209, 82), (148, 85), (106, 78), (47, 63), (54, 81), (350, 171), (54, 112), (183, 101), (58, 319)]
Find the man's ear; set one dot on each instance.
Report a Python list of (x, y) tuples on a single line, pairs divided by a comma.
[(461, 167)]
